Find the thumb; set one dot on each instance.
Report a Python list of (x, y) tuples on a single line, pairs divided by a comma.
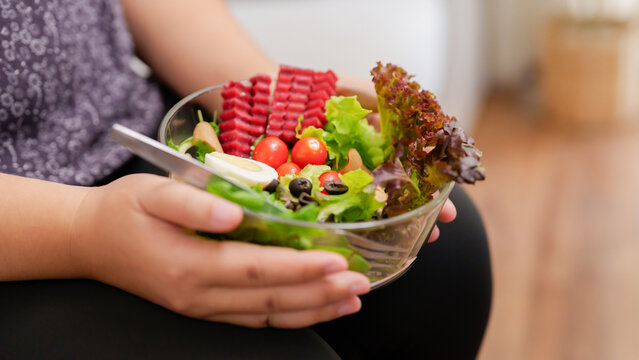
[(188, 206)]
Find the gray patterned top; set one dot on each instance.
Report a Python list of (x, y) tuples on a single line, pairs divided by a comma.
[(65, 77)]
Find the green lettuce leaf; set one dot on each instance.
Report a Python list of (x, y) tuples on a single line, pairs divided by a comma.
[(357, 204), (201, 149), (347, 128), (311, 172), (272, 233)]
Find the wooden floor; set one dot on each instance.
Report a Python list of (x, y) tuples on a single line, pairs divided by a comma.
[(561, 209)]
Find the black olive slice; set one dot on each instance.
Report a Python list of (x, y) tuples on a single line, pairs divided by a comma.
[(272, 186), (300, 185), (335, 187), (305, 199)]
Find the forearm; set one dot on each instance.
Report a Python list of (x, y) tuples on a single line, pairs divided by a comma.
[(35, 225), (193, 44)]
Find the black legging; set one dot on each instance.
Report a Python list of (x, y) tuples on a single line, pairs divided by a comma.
[(437, 310)]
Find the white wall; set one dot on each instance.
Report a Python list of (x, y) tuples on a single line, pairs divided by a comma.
[(350, 36)]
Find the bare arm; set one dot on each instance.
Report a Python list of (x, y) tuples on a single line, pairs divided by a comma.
[(35, 227), (193, 44)]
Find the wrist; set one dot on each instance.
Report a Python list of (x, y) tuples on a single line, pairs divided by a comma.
[(80, 231)]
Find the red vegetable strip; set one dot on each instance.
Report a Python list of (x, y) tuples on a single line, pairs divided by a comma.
[(245, 114)]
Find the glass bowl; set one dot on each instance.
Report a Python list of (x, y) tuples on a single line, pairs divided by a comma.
[(389, 245)]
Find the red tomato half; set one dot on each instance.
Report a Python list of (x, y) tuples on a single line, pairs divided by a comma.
[(271, 151), (288, 168), (309, 150), (327, 176)]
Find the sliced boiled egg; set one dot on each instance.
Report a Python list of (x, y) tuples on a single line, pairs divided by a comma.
[(246, 171)]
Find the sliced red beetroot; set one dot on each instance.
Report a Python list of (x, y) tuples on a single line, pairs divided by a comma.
[(319, 95), (284, 69), (236, 103), (325, 86), (260, 78), (234, 135), (274, 132), (299, 98), (278, 107), (307, 72), (283, 87), (332, 75), (256, 131), (261, 98), (295, 107), (235, 113), (324, 77), (235, 124), (290, 125), (317, 112), (313, 121), (292, 117), (237, 85), (303, 80), (281, 97), (315, 103), (237, 148), (260, 109), (245, 114), (300, 88), (236, 93), (285, 78), (289, 136), (259, 120), (275, 125), (299, 92)]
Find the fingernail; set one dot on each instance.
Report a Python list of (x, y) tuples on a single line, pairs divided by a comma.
[(349, 307)]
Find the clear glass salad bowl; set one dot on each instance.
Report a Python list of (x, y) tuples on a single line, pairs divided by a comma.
[(388, 245)]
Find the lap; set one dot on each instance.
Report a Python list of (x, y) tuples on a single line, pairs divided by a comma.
[(84, 319)]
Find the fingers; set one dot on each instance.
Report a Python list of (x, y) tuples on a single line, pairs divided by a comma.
[(287, 298), (237, 264), (448, 213), (293, 319), (191, 207), (434, 235)]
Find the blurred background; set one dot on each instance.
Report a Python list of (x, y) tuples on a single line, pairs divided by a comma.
[(550, 91)]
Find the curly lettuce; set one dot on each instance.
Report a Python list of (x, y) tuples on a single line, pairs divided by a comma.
[(429, 147)]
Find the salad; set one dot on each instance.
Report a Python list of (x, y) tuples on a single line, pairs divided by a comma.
[(315, 156)]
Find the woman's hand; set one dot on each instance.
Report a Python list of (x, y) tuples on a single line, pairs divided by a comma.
[(448, 214), (132, 234)]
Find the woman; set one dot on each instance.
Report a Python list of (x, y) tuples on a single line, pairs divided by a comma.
[(65, 79)]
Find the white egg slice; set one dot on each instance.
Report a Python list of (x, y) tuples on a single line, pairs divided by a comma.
[(246, 171)]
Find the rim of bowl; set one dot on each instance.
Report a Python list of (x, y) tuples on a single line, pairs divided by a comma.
[(444, 191)]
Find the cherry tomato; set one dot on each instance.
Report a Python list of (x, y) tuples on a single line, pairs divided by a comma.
[(309, 150), (271, 151), (327, 176), (288, 168)]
